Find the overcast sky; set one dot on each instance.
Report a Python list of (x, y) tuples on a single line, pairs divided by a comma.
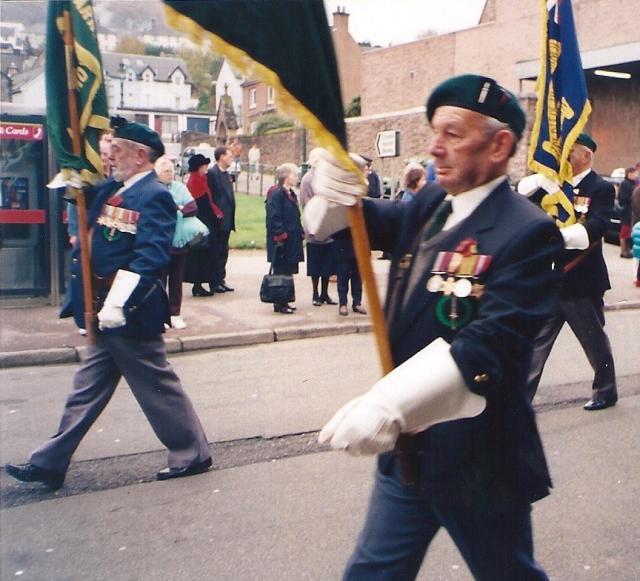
[(384, 22)]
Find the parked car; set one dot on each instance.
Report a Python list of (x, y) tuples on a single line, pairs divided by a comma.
[(612, 234), (204, 149)]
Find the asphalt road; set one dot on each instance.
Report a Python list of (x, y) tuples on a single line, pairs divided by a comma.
[(277, 506)]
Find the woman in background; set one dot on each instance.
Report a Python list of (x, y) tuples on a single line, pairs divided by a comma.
[(284, 228), (186, 231)]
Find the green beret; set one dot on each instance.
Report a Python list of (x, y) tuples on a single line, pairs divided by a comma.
[(480, 94), (587, 141), (137, 132)]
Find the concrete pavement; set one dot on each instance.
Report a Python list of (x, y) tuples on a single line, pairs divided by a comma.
[(34, 335)]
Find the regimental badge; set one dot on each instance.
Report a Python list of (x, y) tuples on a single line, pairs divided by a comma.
[(455, 275), (116, 221), (581, 206)]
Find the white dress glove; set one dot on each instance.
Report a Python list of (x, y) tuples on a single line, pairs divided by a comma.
[(425, 390), (111, 316), (335, 189), (575, 237), (529, 184)]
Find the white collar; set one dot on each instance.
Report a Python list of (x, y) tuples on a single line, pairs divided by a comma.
[(465, 203), (134, 179), (578, 178)]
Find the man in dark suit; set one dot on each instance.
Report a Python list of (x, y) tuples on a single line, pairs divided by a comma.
[(132, 218), (586, 279), (373, 179), (471, 276), (221, 189)]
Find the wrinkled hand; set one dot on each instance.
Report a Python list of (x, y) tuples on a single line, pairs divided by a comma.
[(335, 183), (111, 317), (363, 426)]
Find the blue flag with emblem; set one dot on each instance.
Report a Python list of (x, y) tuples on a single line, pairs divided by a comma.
[(562, 109)]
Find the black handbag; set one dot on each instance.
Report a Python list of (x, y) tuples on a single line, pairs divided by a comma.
[(277, 288)]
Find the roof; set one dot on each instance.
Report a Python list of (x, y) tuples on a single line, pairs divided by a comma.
[(162, 66)]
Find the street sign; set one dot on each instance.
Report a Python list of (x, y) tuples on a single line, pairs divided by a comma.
[(388, 143)]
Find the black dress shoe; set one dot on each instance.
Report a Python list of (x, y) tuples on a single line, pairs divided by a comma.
[(198, 291), (219, 288), (30, 473), (169, 473), (226, 287), (328, 300), (285, 310), (317, 302), (600, 403)]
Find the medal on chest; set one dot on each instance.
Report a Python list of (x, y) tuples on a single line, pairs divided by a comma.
[(581, 206), (455, 274), (115, 220)]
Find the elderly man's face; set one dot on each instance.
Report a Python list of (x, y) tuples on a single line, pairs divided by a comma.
[(463, 149), (579, 158), (123, 159)]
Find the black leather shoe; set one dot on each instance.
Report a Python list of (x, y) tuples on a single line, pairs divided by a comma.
[(226, 287), (169, 473), (359, 309), (328, 300), (317, 302), (600, 403), (30, 473), (198, 291), (219, 288)]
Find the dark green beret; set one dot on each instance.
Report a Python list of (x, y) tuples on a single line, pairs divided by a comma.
[(137, 132), (480, 94), (587, 141)]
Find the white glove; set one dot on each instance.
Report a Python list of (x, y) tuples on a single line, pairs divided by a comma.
[(111, 316), (529, 184), (575, 237), (425, 390), (335, 183)]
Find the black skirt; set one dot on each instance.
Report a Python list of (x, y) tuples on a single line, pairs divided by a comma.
[(321, 259)]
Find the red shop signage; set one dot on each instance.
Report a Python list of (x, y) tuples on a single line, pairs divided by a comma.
[(22, 131)]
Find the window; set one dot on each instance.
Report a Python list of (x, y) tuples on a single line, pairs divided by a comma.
[(270, 95), (252, 99)]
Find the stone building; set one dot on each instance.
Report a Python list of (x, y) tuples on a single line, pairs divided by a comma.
[(506, 45)]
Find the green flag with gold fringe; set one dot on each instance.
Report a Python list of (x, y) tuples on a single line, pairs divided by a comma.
[(77, 111)]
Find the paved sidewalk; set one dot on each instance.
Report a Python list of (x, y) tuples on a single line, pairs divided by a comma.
[(34, 335)]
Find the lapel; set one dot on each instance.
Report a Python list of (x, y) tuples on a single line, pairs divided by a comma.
[(478, 225)]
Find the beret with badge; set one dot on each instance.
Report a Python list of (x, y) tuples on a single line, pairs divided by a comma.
[(480, 94), (132, 131)]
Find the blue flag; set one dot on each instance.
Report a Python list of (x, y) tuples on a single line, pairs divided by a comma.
[(562, 110)]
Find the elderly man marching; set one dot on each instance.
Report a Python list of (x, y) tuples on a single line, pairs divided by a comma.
[(471, 280), (132, 219)]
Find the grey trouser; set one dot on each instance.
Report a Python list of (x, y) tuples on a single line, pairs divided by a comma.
[(585, 316), (156, 387)]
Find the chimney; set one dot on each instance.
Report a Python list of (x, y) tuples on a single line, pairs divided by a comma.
[(341, 19)]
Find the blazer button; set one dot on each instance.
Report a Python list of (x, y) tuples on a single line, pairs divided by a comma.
[(73, 276), (481, 378), (74, 260)]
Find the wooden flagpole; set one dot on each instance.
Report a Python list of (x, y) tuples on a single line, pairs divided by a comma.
[(362, 249), (83, 232)]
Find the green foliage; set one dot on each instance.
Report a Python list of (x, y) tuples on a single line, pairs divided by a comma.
[(269, 123), (250, 231), (130, 45), (203, 68), (353, 109)]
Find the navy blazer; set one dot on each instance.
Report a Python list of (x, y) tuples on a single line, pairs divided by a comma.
[(283, 216), (590, 276), (501, 448), (222, 194), (147, 253)]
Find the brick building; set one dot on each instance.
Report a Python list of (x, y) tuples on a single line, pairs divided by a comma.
[(506, 45)]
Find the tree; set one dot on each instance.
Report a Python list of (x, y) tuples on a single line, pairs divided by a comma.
[(130, 45), (203, 68), (271, 123), (353, 109)]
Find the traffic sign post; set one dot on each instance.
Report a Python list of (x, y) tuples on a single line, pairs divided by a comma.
[(388, 143)]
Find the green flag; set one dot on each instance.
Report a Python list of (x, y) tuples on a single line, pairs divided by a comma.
[(285, 44), (76, 95)]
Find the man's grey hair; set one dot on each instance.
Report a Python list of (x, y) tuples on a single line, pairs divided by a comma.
[(493, 125)]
